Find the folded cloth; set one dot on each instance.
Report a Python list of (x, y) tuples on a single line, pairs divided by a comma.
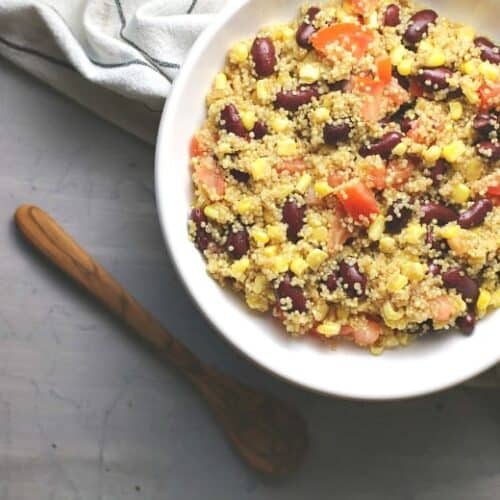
[(118, 58)]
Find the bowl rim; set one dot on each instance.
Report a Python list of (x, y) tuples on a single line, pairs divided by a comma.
[(222, 18)]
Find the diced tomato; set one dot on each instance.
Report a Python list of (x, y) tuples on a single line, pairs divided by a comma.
[(372, 110), (352, 37), (337, 232), (292, 166), (384, 69), (376, 176), (399, 171), (494, 190), (416, 88), (358, 200), (210, 176), (196, 148), (443, 309), (372, 91), (335, 179), (490, 96), (362, 7), (347, 331), (395, 94)]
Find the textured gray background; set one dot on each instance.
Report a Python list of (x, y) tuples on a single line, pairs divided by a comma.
[(88, 413)]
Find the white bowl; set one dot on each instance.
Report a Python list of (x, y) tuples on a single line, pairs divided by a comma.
[(426, 366)]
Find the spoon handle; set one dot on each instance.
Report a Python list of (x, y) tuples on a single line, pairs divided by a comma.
[(269, 435)]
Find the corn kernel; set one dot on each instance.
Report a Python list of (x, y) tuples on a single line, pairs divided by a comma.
[(260, 169), (489, 71), (414, 233), (298, 266), (387, 244), (329, 329), (245, 205), (276, 233), (260, 283), (319, 234), (471, 94), (460, 193), (260, 236), (283, 32), (220, 81), (468, 68), (400, 149), (309, 73), (376, 229), (483, 301), (270, 251), (431, 155), (218, 212), (316, 257), (280, 123), (414, 271), (397, 283), (405, 67), (281, 264), (473, 170), (322, 189), (238, 53), (287, 147), (257, 302), (320, 311), (456, 110), (284, 190), (495, 299), (454, 151), (435, 58), (248, 119), (450, 231), (321, 115), (373, 23), (263, 90), (397, 55), (303, 183), (467, 33), (389, 314), (314, 219), (376, 350), (239, 268)]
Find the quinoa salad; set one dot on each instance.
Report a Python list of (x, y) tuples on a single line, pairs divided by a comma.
[(347, 178)]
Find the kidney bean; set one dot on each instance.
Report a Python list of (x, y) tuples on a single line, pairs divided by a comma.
[(489, 150), (434, 269), (439, 245), (458, 280), (260, 130), (438, 212), (484, 123), (403, 81), (475, 215), (294, 293), (392, 15), (332, 282), (312, 12), (397, 218), (238, 243), (419, 26), (264, 57), (354, 280), (202, 239), (489, 51), (438, 171), (304, 33), (232, 121), (340, 86), (292, 100), (406, 124), (435, 78), (293, 216), (467, 323), (240, 176), (333, 134), (384, 146), (198, 217)]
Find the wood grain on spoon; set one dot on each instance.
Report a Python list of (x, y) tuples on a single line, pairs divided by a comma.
[(269, 435)]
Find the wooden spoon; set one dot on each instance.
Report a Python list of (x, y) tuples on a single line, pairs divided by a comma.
[(270, 436)]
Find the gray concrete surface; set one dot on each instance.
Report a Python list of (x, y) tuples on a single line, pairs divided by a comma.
[(87, 413)]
